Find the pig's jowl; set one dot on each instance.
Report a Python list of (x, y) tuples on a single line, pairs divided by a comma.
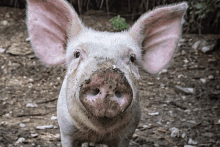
[(99, 101)]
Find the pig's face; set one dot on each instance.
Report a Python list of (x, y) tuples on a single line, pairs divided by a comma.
[(102, 75)]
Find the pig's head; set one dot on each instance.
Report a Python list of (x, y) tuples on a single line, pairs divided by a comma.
[(102, 67)]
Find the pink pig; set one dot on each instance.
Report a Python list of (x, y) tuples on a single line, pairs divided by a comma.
[(99, 99)]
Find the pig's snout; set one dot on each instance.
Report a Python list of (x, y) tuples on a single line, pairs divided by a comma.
[(106, 94)]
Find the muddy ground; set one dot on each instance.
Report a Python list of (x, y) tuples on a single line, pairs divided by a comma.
[(29, 91)]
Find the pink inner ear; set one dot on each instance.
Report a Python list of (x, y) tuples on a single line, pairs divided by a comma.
[(49, 24), (160, 45), (158, 32)]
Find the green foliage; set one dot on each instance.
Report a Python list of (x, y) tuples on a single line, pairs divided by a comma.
[(204, 11), (119, 23)]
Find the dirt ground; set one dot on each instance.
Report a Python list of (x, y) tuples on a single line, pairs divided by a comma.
[(29, 91)]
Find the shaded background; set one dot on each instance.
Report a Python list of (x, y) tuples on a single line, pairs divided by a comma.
[(203, 16)]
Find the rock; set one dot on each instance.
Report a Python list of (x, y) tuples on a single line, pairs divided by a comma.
[(188, 146), (4, 123), (134, 136), (219, 121), (210, 77), (163, 85), (55, 127), (7, 15), (187, 111), (196, 45), (191, 141), (57, 136), (210, 135), (20, 140), (203, 80), (85, 144), (150, 83), (182, 40), (205, 46), (145, 127), (22, 125), (184, 90), (92, 144), (26, 120), (31, 56), (34, 135), (183, 135), (175, 132), (183, 52), (185, 61), (2, 50), (163, 71), (53, 118), (212, 60), (192, 121), (28, 39), (159, 122), (183, 97), (30, 105), (16, 50), (208, 48), (171, 113), (4, 22), (154, 113), (44, 127)]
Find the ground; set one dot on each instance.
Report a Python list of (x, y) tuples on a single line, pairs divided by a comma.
[(170, 117)]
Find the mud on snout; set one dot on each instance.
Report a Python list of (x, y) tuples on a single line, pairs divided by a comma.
[(106, 94)]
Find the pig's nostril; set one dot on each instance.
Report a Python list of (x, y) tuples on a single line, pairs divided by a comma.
[(95, 91), (118, 94)]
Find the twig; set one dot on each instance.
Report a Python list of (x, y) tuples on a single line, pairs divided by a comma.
[(174, 104), (129, 7), (36, 114), (162, 130), (79, 6), (196, 125), (7, 139), (107, 7), (46, 101), (87, 6), (170, 141), (101, 4)]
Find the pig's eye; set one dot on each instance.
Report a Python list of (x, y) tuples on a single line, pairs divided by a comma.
[(132, 58), (77, 54)]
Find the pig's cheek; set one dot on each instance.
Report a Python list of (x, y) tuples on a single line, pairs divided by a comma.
[(135, 72), (72, 67)]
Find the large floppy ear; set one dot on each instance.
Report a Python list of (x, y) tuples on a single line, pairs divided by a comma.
[(158, 32), (50, 23)]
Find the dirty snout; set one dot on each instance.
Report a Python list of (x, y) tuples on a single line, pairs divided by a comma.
[(106, 94)]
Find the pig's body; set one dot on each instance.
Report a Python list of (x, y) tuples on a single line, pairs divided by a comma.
[(99, 100)]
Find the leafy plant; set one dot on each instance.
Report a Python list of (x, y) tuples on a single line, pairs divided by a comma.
[(204, 12), (119, 23)]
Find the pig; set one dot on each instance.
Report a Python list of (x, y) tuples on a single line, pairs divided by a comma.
[(99, 99)]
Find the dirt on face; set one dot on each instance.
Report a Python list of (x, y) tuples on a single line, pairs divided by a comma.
[(170, 116)]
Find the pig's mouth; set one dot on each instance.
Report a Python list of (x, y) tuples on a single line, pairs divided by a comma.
[(107, 94)]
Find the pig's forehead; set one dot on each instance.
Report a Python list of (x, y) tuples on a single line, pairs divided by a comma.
[(103, 41)]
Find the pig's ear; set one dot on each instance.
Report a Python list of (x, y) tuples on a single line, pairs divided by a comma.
[(158, 33), (50, 24)]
